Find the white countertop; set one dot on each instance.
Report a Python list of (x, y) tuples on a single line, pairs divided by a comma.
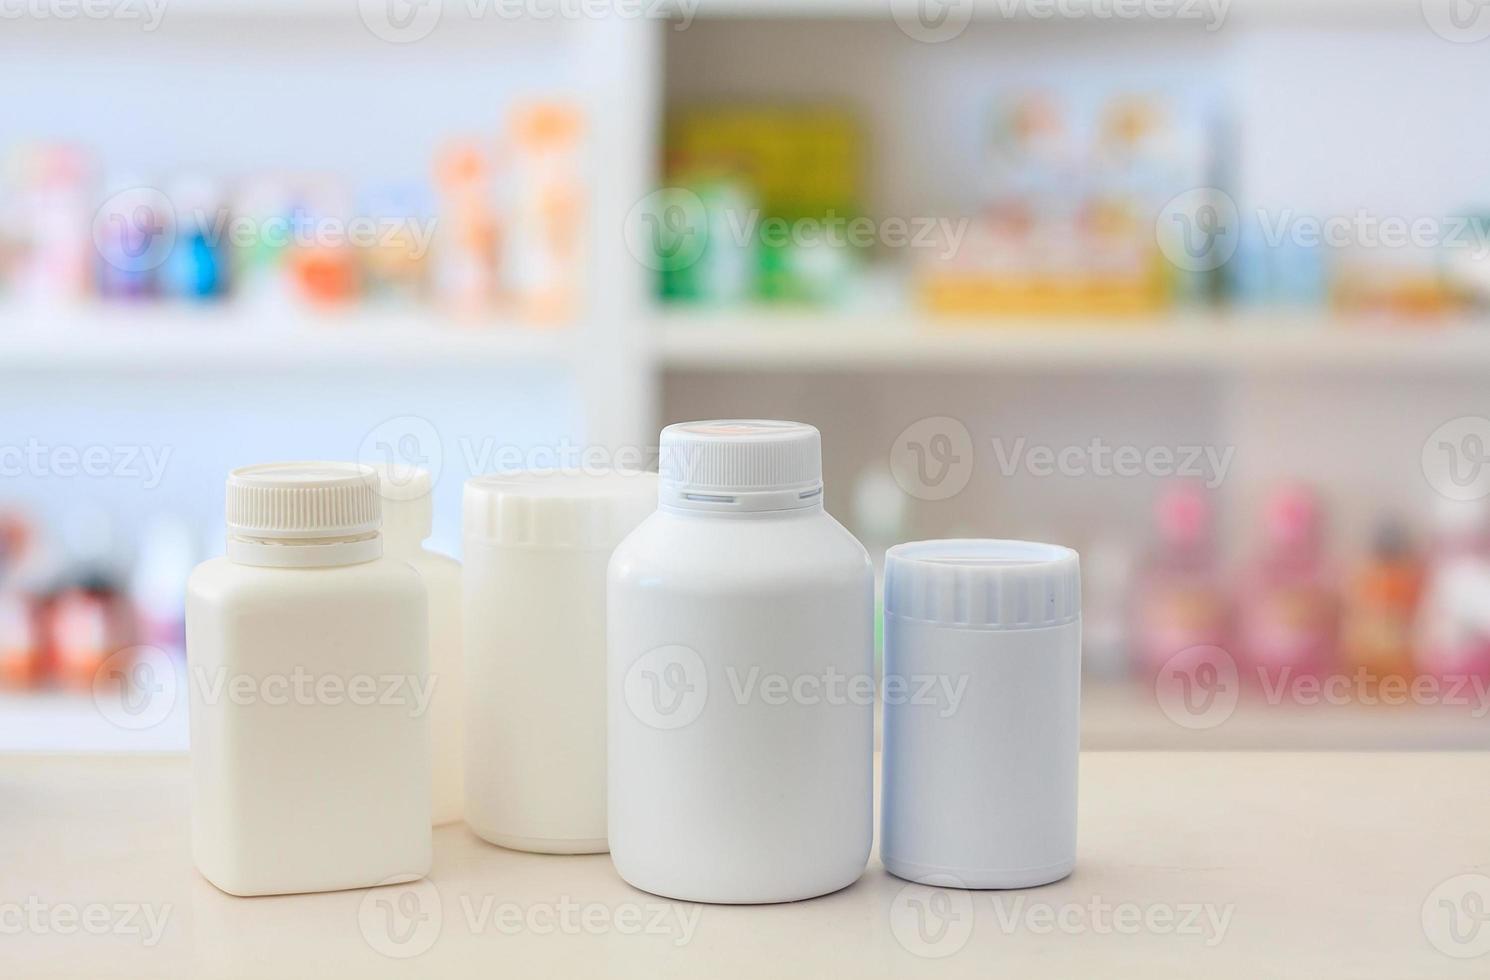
[(1189, 864)]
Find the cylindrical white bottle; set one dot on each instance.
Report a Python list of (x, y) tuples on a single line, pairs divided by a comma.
[(741, 675), (308, 668), (408, 519), (536, 549), (982, 695)]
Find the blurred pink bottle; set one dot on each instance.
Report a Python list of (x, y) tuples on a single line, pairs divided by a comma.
[(1452, 634), (1182, 608), (1290, 609)]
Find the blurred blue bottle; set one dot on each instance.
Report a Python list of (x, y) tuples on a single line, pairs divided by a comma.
[(1249, 277), (197, 265), (1301, 278)]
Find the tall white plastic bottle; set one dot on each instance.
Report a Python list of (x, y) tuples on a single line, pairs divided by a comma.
[(536, 547), (408, 519), (741, 691), (308, 668)]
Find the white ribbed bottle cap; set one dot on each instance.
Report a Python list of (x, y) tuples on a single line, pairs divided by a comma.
[(750, 464), (557, 508), (983, 583), (303, 500), (408, 504)]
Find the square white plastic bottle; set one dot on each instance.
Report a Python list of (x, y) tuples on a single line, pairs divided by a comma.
[(308, 667)]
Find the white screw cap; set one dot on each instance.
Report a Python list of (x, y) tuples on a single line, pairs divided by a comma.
[(735, 456), (982, 583), (303, 500), (557, 508)]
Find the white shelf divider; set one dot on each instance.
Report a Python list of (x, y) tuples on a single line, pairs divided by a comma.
[(702, 341), (177, 337)]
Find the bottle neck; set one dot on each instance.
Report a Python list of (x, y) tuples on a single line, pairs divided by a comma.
[(398, 540), (678, 499), (407, 524), (305, 552)]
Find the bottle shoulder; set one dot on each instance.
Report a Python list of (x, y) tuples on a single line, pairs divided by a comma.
[(432, 566), (687, 548), (219, 579)]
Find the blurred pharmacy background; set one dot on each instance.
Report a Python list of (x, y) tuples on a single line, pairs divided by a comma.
[(1199, 289)]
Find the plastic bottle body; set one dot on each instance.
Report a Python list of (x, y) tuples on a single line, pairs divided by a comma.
[(740, 706), (536, 682), (309, 725), (536, 548), (441, 576), (962, 804), (982, 724)]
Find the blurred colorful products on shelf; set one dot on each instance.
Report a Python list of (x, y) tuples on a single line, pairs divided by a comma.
[(1289, 614), (505, 239), (1182, 604), (1286, 620), (1376, 631), (1066, 223), (761, 204)]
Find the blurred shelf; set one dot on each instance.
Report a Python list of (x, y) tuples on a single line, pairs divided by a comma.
[(1033, 10), (227, 338), (559, 11), (70, 721), (1126, 716), (806, 341)]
